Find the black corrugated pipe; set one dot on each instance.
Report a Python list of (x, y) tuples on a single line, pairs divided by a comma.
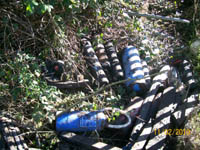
[(117, 71), (93, 62), (188, 77)]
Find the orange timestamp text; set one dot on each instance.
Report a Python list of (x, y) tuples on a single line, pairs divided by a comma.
[(177, 132)]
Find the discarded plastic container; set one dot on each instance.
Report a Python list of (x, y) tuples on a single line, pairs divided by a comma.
[(117, 71), (174, 77), (133, 69), (94, 62), (82, 121)]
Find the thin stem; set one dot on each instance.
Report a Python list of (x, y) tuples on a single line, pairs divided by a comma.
[(79, 100), (158, 17), (36, 132)]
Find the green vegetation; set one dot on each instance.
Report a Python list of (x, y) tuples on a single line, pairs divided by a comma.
[(23, 86)]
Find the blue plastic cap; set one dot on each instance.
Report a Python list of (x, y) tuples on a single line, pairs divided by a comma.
[(136, 87)]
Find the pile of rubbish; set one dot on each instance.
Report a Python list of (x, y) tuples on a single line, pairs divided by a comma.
[(165, 97), (163, 102)]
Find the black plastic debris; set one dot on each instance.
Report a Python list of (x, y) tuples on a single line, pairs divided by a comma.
[(188, 77), (53, 69), (162, 95), (146, 73), (117, 71), (102, 56), (93, 62)]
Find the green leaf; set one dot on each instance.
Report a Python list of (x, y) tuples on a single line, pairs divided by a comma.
[(100, 23), (73, 1), (45, 7), (138, 28), (34, 2), (113, 118), (42, 10), (95, 107), (29, 8), (101, 35), (117, 114), (100, 13)]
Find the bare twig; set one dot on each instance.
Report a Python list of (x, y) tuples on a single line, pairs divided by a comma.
[(37, 132), (158, 17), (79, 100)]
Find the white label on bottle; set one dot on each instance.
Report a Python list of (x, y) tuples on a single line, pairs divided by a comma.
[(88, 121)]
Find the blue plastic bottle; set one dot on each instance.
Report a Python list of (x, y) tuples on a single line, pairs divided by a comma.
[(133, 69), (80, 121)]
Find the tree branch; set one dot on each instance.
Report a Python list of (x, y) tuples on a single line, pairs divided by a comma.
[(79, 100), (158, 17)]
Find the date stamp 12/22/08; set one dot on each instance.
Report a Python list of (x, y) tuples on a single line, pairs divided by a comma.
[(173, 132)]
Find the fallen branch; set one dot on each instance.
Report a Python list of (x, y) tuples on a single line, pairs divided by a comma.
[(158, 17), (37, 132), (68, 84), (79, 100)]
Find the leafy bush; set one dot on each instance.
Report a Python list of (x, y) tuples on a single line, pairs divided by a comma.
[(25, 85), (73, 6)]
